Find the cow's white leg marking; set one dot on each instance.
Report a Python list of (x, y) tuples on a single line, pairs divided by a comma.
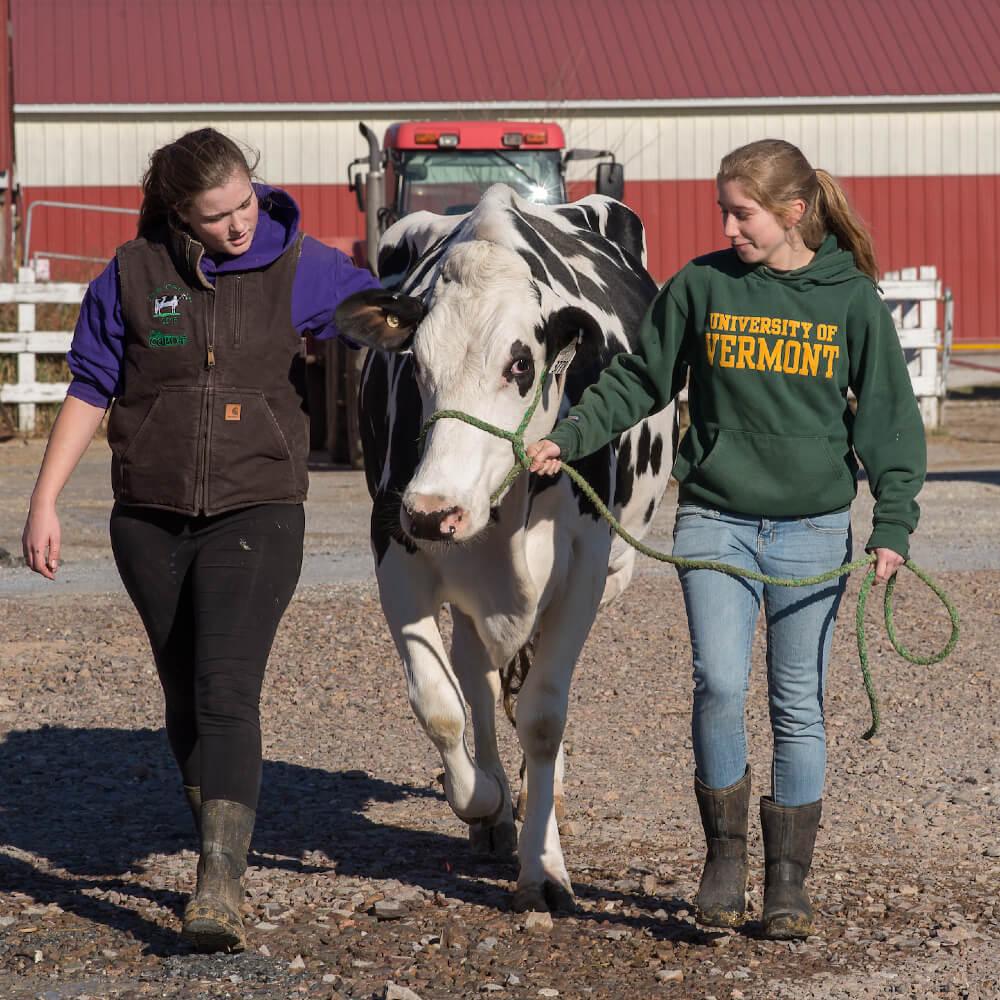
[(409, 598), (543, 881), (481, 686)]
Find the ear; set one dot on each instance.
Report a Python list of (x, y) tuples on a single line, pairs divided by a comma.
[(380, 319), (570, 324), (795, 212)]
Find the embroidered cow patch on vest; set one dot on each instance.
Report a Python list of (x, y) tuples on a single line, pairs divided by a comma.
[(166, 301)]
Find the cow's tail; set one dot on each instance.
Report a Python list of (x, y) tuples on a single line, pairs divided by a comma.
[(513, 676)]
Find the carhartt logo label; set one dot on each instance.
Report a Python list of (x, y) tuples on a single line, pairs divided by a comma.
[(166, 302), (157, 338), (232, 411)]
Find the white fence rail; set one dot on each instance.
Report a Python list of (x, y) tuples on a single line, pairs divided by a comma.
[(912, 295), (27, 392)]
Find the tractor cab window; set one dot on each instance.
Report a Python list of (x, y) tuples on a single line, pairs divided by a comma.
[(451, 182)]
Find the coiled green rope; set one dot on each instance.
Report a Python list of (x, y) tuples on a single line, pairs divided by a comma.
[(522, 462)]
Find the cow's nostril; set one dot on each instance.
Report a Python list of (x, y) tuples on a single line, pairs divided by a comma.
[(439, 525)]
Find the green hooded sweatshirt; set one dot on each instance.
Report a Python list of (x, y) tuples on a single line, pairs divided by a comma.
[(771, 356)]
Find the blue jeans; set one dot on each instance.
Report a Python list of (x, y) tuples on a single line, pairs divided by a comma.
[(722, 613)]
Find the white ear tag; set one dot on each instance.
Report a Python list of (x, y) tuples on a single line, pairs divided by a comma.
[(564, 358)]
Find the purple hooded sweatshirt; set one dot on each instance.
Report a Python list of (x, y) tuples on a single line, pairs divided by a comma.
[(323, 279)]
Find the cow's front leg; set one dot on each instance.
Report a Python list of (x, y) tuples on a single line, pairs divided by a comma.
[(543, 882), (409, 602), (495, 834)]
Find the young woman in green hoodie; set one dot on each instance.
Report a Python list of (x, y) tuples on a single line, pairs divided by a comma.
[(774, 332)]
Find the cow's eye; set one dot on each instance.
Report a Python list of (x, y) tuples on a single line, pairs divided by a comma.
[(519, 367)]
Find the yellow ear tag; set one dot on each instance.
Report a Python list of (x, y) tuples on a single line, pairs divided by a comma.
[(391, 319)]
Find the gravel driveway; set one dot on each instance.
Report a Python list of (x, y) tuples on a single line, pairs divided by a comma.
[(361, 883)]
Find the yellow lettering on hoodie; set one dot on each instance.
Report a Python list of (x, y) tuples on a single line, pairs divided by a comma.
[(744, 357), (806, 327), (830, 354), (711, 342), (810, 359), (764, 326), (726, 343), (769, 358), (742, 320), (792, 357)]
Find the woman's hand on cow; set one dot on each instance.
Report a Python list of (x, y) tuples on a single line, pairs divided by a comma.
[(544, 457), (886, 563)]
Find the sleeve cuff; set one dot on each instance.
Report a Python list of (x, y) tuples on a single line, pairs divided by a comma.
[(888, 535), (88, 393), (567, 436)]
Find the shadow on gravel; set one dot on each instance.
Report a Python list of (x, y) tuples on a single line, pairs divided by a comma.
[(989, 476), (93, 804)]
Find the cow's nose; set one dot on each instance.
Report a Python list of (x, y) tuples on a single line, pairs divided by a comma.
[(444, 525)]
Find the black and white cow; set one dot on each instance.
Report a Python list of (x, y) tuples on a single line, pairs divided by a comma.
[(481, 303)]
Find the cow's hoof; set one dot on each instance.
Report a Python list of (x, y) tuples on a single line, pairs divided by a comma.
[(549, 896), (496, 839)]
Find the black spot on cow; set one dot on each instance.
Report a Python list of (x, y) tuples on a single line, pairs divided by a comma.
[(642, 453), (625, 476), (650, 511), (521, 367), (553, 263), (656, 454), (596, 470)]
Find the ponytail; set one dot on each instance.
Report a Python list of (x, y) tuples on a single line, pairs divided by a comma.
[(852, 234)]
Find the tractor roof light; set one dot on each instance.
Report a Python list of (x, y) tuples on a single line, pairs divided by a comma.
[(535, 138), (513, 139), (425, 138), (448, 140)]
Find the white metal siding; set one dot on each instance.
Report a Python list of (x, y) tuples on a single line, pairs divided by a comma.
[(311, 150)]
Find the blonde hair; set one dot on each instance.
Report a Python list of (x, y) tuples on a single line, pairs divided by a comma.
[(775, 173)]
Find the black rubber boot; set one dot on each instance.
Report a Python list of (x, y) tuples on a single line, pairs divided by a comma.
[(789, 836), (193, 795), (212, 919), (721, 900)]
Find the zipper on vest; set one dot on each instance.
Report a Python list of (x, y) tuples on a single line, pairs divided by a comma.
[(209, 399), (238, 311)]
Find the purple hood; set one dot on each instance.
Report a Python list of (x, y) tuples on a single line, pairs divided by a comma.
[(323, 279)]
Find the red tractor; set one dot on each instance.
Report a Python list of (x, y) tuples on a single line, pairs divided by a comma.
[(445, 167)]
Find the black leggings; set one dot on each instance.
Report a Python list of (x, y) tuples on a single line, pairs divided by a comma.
[(211, 592)]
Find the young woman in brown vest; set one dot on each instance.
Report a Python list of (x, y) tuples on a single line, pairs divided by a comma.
[(193, 332)]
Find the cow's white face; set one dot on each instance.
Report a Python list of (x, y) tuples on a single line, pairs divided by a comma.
[(480, 350), (479, 346)]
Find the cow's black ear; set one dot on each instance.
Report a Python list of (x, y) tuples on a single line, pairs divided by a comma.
[(380, 319), (570, 324)]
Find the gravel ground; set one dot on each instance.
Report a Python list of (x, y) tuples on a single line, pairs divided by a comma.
[(361, 883)]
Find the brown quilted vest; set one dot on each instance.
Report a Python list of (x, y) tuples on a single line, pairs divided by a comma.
[(212, 414)]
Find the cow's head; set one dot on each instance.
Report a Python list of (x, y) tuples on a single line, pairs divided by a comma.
[(478, 345)]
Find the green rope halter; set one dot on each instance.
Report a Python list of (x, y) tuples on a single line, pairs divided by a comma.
[(522, 463)]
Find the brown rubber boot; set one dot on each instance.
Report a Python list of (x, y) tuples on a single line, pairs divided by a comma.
[(193, 795), (212, 919), (789, 836), (721, 900)]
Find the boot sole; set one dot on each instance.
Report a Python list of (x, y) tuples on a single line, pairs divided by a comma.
[(723, 919), (788, 927), (208, 935)]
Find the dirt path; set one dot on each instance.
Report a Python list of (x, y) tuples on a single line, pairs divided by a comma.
[(96, 851)]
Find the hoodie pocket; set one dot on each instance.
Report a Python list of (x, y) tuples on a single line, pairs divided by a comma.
[(249, 456), (774, 474)]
